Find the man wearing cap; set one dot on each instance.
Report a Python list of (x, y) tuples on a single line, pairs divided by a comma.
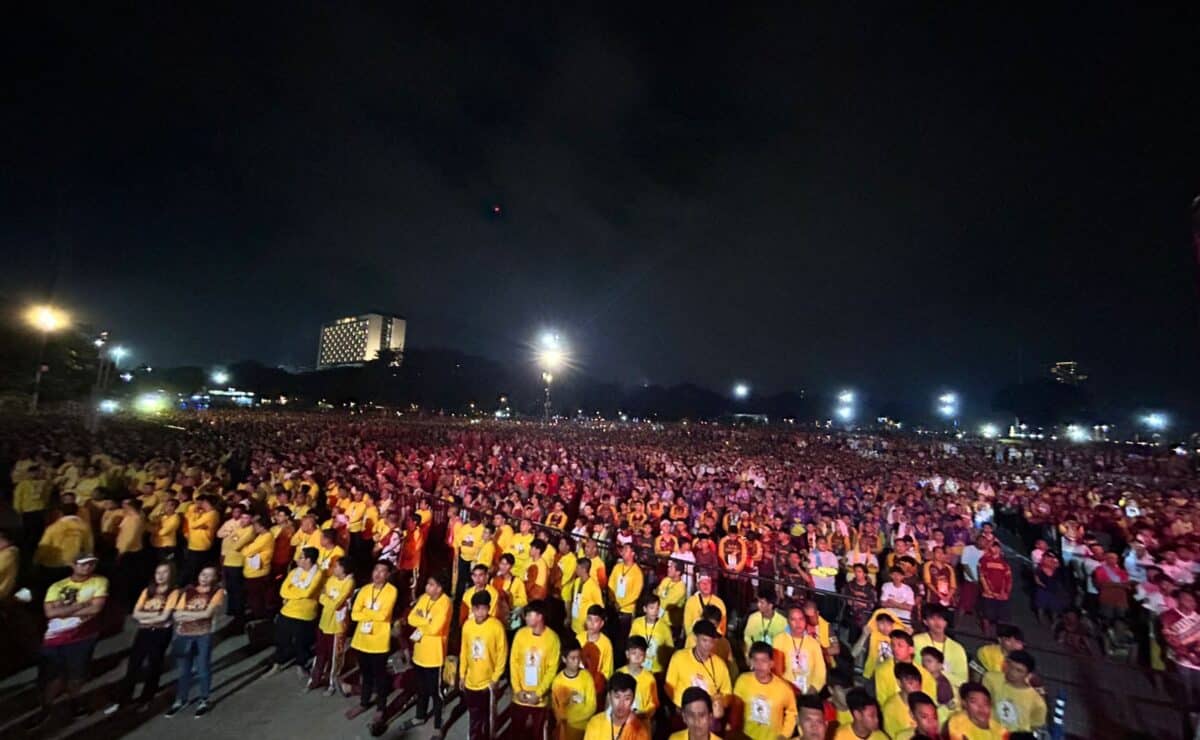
[(694, 607), (72, 607), (698, 668)]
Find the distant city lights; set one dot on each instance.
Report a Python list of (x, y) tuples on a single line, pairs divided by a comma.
[(989, 431), (1076, 433)]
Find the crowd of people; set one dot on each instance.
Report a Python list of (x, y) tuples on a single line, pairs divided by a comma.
[(608, 582)]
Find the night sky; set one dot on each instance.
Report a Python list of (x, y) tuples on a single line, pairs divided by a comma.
[(893, 198)]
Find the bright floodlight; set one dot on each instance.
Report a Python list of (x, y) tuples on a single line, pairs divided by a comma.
[(741, 390), (1155, 420), (552, 358), (1077, 433), (989, 431), (46, 318), (150, 403), (118, 353), (109, 406), (947, 410), (948, 399), (846, 397), (845, 412), (220, 377), (549, 339)]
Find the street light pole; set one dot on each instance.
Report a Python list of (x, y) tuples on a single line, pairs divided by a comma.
[(45, 319), (37, 376), (547, 378)]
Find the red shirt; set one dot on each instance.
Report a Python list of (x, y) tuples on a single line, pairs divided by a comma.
[(996, 576)]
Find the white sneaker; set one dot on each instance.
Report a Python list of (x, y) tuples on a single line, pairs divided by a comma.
[(111, 709)]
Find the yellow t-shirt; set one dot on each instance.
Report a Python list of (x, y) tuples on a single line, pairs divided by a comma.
[(465, 610), (658, 641), (467, 540), (712, 675), (302, 539), (334, 594), (991, 657), (130, 533), (683, 735), (894, 715), (484, 649), (601, 727), (694, 607), (645, 698), (9, 565), (768, 710), (533, 661), (256, 555), (846, 732), (165, 531), (62, 541), (1019, 708), (431, 617), (960, 727), (626, 585), (202, 529), (580, 598), (574, 698), (885, 681), (299, 592), (799, 662), (372, 610), (598, 654)]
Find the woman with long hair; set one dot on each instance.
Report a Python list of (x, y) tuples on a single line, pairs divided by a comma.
[(195, 610), (153, 616)]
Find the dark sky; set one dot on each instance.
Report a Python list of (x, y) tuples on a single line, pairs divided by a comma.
[(888, 197)]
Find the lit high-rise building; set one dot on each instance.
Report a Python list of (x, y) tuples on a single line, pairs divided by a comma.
[(1068, 373), (355, 340)]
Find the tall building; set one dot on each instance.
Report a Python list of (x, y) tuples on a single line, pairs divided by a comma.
[(355, 340), (1067, 373)]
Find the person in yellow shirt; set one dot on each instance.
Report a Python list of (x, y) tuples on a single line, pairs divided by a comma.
[(537, 575), (533, 661), (597, 648), (885, 675), (765, 703), (503, 533), (975, 720), (655, 630), (894, 711), (696, 708), (764, 623), (164, 529), (567, 562), (479, 584), (864, 724), (331, 627), (798, 660), (699, 667), (511, 591), (877, 635), (430, 618), (626, 586), (307, 535), (329, 551), (1018, 706), (256, 568), (9, 566), (487, 551), (372, 613), (31, 498), (694, 606), (572, 695), (202, 523), (620, 720), (585, 593), (672, 593), (991, 657), (924, 718), (63, 540), (519, 547), (954, 656), (295, 627), (645, 699), (481, 664), (234, 535), (468, 540)]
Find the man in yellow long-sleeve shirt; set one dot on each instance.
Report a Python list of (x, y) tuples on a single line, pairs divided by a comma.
[(63, 540), (295, 627), (766, 703), (533, 662), (585, 592), (372, 611), (620, 720), (698, 667), (256, 568), (481, 663), (430, 618), (626, 585)]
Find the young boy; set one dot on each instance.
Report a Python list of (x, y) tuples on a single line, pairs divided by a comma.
[(1018, 706), (896, 716), (902, 652), (619, 721), (597, 648), (645, 698), (933, 662), (572, 694), (879, 645), (768, 703), (864, 724), (655, 630)]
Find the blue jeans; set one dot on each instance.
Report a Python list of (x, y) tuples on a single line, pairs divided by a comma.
[(189, 649)]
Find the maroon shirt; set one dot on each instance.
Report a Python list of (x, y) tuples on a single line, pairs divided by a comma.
[(996, 577)]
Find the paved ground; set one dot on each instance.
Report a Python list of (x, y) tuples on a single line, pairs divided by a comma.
[(1105, 700)]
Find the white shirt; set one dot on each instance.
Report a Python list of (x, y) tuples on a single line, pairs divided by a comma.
[(902, 594)]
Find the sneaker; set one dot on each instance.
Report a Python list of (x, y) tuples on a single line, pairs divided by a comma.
[(275, 668), (174, 710), (203, 709), (112, 709), (330, 691)]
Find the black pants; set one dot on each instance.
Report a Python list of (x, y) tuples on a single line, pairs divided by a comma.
[(149, 648), (235, 591), (464, 579), (373, 669), (428, 687), (624, 625), (478, 712), (33, 523), (294, 639)]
